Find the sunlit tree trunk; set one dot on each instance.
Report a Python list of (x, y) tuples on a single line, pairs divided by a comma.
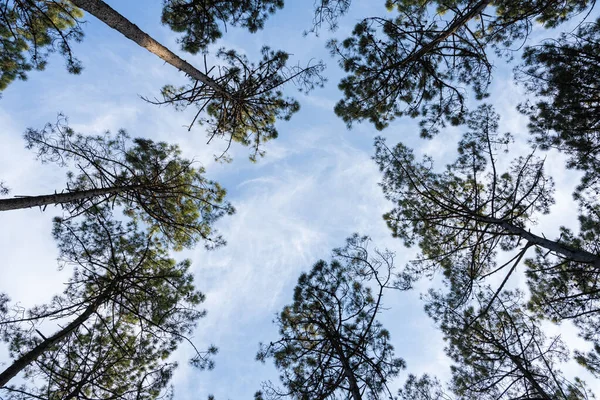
[(112, 18), (58, 198)]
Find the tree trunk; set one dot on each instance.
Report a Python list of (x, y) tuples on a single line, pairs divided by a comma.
[(426, 48), (57, 198), (354, 389), (112, 18), (29, 357), (526, 373), (571, 253)]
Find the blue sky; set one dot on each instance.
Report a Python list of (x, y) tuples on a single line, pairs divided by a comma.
[(316, 186)]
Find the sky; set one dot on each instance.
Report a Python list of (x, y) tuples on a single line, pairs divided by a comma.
[(316, 186)]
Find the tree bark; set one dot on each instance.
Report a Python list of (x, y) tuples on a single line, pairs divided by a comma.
[(571, 253), (29, 357), (112, 18), (57, 198)]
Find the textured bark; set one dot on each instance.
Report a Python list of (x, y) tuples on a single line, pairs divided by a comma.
[(29, 357), (112, 18), (57, 198)]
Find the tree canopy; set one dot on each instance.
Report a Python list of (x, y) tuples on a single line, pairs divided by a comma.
[(462, 218), (127, 307), (503, 353), (240, 99), (150, 181), (498, 353), (331, 344), (199, 19), (32, 29), (127, 203), (248, 116), (419, 62), (563, 76)]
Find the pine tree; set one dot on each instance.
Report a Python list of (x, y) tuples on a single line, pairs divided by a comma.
[(419, 62), (126, 308), (36, 27), (249, 116), (463, 216), (331, 344), (563, 75), (199, 19), (242, 100), (149, 180), (423, 388), (500, 352), (328, 11)]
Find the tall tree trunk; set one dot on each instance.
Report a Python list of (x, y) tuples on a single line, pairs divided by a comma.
[(58, 198), (112, 18), (32, 355), (526, 373), (354, 389)]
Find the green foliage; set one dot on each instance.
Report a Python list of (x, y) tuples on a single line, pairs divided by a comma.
[(199, 19), (463, 215), (149, 180), (418, 62), (36, 27), (590, 360), (331, 345), (564, 76), (255, 101), (423, 388), (105, 360), (500, 352), (128, 306), (563, 289)]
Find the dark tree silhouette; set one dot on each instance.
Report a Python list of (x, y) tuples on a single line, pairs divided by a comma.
[(331, 345), (328, 12), (419, 62), (564, 75)]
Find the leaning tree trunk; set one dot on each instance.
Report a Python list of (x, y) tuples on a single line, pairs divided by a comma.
[(568, 252), (26, 359), (58, 198), (112, 18), (521, 368), (457, 24)]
